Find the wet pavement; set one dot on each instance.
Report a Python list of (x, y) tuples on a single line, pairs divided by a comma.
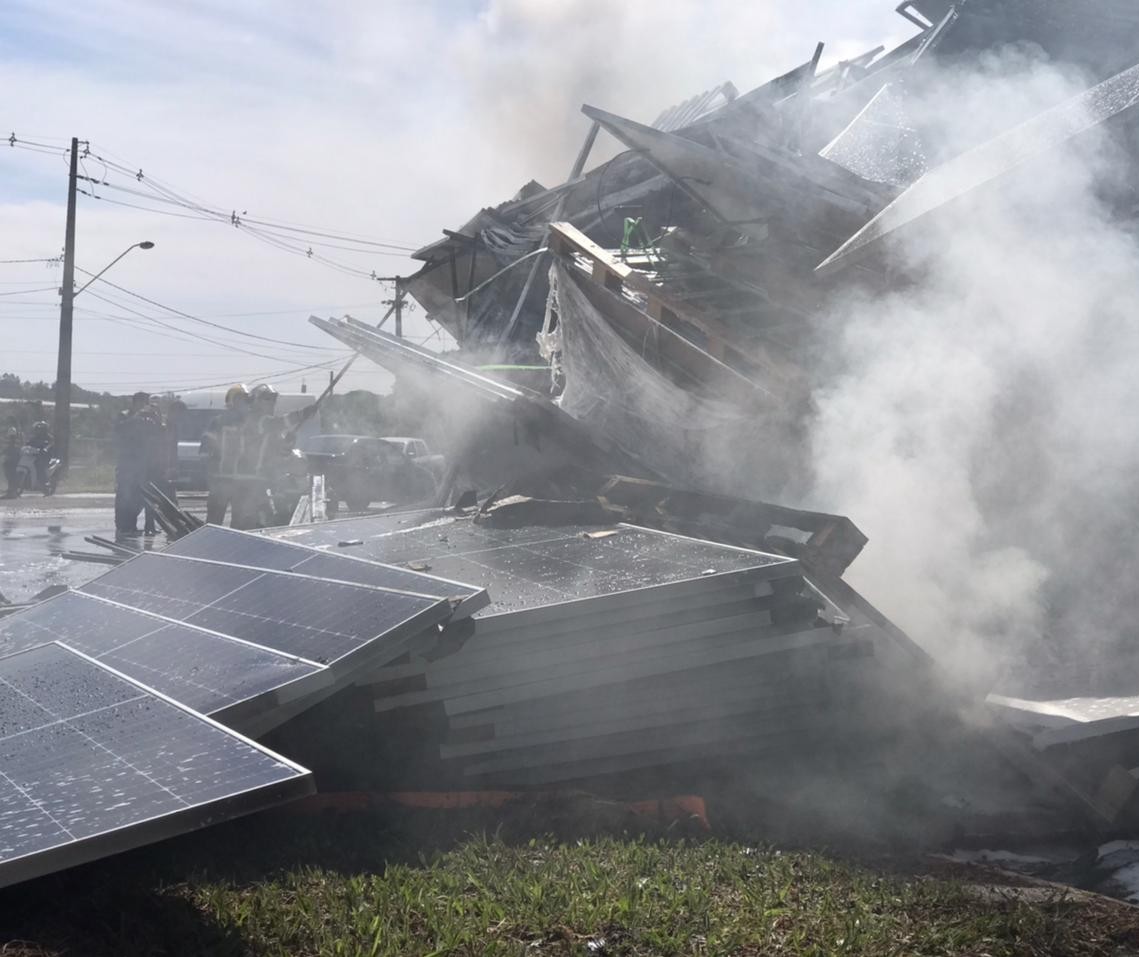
[(35, 531)]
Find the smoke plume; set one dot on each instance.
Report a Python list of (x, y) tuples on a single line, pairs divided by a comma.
[(977, 422)]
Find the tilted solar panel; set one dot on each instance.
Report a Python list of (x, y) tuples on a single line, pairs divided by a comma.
[(539, 566), (208, 672), (315, 619), (220, 544), (92, 763)]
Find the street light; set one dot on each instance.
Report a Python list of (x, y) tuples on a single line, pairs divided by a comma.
[(62, 412), (145, 244)]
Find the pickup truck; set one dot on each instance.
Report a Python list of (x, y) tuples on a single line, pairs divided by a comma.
[(361, 469), (417, 449)]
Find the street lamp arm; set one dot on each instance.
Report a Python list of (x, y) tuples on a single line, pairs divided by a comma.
[(143, 245)]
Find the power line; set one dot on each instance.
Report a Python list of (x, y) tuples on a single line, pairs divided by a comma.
[(279, 234), (189, 336), (196, 383), (26, 292), (206, 322), (166, 188), (233, 219), (162, 212), (269, 229)]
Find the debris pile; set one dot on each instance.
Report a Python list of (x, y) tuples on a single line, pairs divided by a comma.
[(675, 294), (633, 608), (612, 648), (675, 291)]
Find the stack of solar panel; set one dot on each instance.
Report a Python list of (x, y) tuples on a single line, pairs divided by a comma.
[(608, 649), (110, 696)]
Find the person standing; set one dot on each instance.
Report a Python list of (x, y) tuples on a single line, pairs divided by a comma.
[(271, 455), (173, 426), (154, 455), (223, 448), (130, 464), (43, 442), (13, 443)]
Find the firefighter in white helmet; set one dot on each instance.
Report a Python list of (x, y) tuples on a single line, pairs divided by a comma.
[(270, 450), (223, 446)]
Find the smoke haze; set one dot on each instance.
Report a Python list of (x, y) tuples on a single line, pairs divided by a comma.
[(978, 423)]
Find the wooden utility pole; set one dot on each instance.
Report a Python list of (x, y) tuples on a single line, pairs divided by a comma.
[(395, 306), (398, 307), (62, 418)]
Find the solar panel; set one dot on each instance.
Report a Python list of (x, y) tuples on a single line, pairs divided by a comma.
[(881, 143), (315, 619), (996, 157), (217, 543), (536, 566), (92, 763), (211, 673)]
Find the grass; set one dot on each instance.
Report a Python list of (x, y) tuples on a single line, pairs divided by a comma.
[(364, 885)]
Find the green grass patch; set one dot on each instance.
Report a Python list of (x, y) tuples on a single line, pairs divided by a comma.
[(304, 886)]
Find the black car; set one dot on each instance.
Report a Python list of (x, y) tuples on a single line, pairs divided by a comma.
[(361, 469)]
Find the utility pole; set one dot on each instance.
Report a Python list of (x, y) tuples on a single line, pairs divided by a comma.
[(62, 418), (398, 307), (395, 305)]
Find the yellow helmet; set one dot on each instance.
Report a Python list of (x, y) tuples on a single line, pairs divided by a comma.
[(235, 392)]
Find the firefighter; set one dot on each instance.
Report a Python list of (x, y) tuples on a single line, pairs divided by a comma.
[(42, 441), (131, 452), (270, 455), (223, 447)]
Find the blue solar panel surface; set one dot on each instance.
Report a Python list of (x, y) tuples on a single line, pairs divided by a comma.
[(320, 621), (87, 756), (205, 671), (534, 566), (216, 543)]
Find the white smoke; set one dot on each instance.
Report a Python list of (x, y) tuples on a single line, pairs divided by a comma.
[(529, 65), (978, 421)]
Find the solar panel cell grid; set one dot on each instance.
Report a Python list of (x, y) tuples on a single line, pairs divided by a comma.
[(86, 755), (219, 544), (320, 621), (207, 672)]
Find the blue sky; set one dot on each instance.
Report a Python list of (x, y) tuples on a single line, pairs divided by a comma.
[(383, 120)]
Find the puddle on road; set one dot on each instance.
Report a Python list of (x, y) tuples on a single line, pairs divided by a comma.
[(31, 548)]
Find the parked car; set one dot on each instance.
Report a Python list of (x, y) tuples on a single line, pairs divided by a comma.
[(417, 449), (361, 469)]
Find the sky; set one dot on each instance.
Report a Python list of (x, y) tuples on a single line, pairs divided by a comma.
[(383, 122)]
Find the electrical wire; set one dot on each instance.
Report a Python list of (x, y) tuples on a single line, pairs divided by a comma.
[(279, 224), (25, 292), (206, 322), (208, 213), (147, 209), (267, 231), (169, 195), (190, 335)]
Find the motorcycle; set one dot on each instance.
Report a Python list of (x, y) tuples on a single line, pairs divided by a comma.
[(27, 477)]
